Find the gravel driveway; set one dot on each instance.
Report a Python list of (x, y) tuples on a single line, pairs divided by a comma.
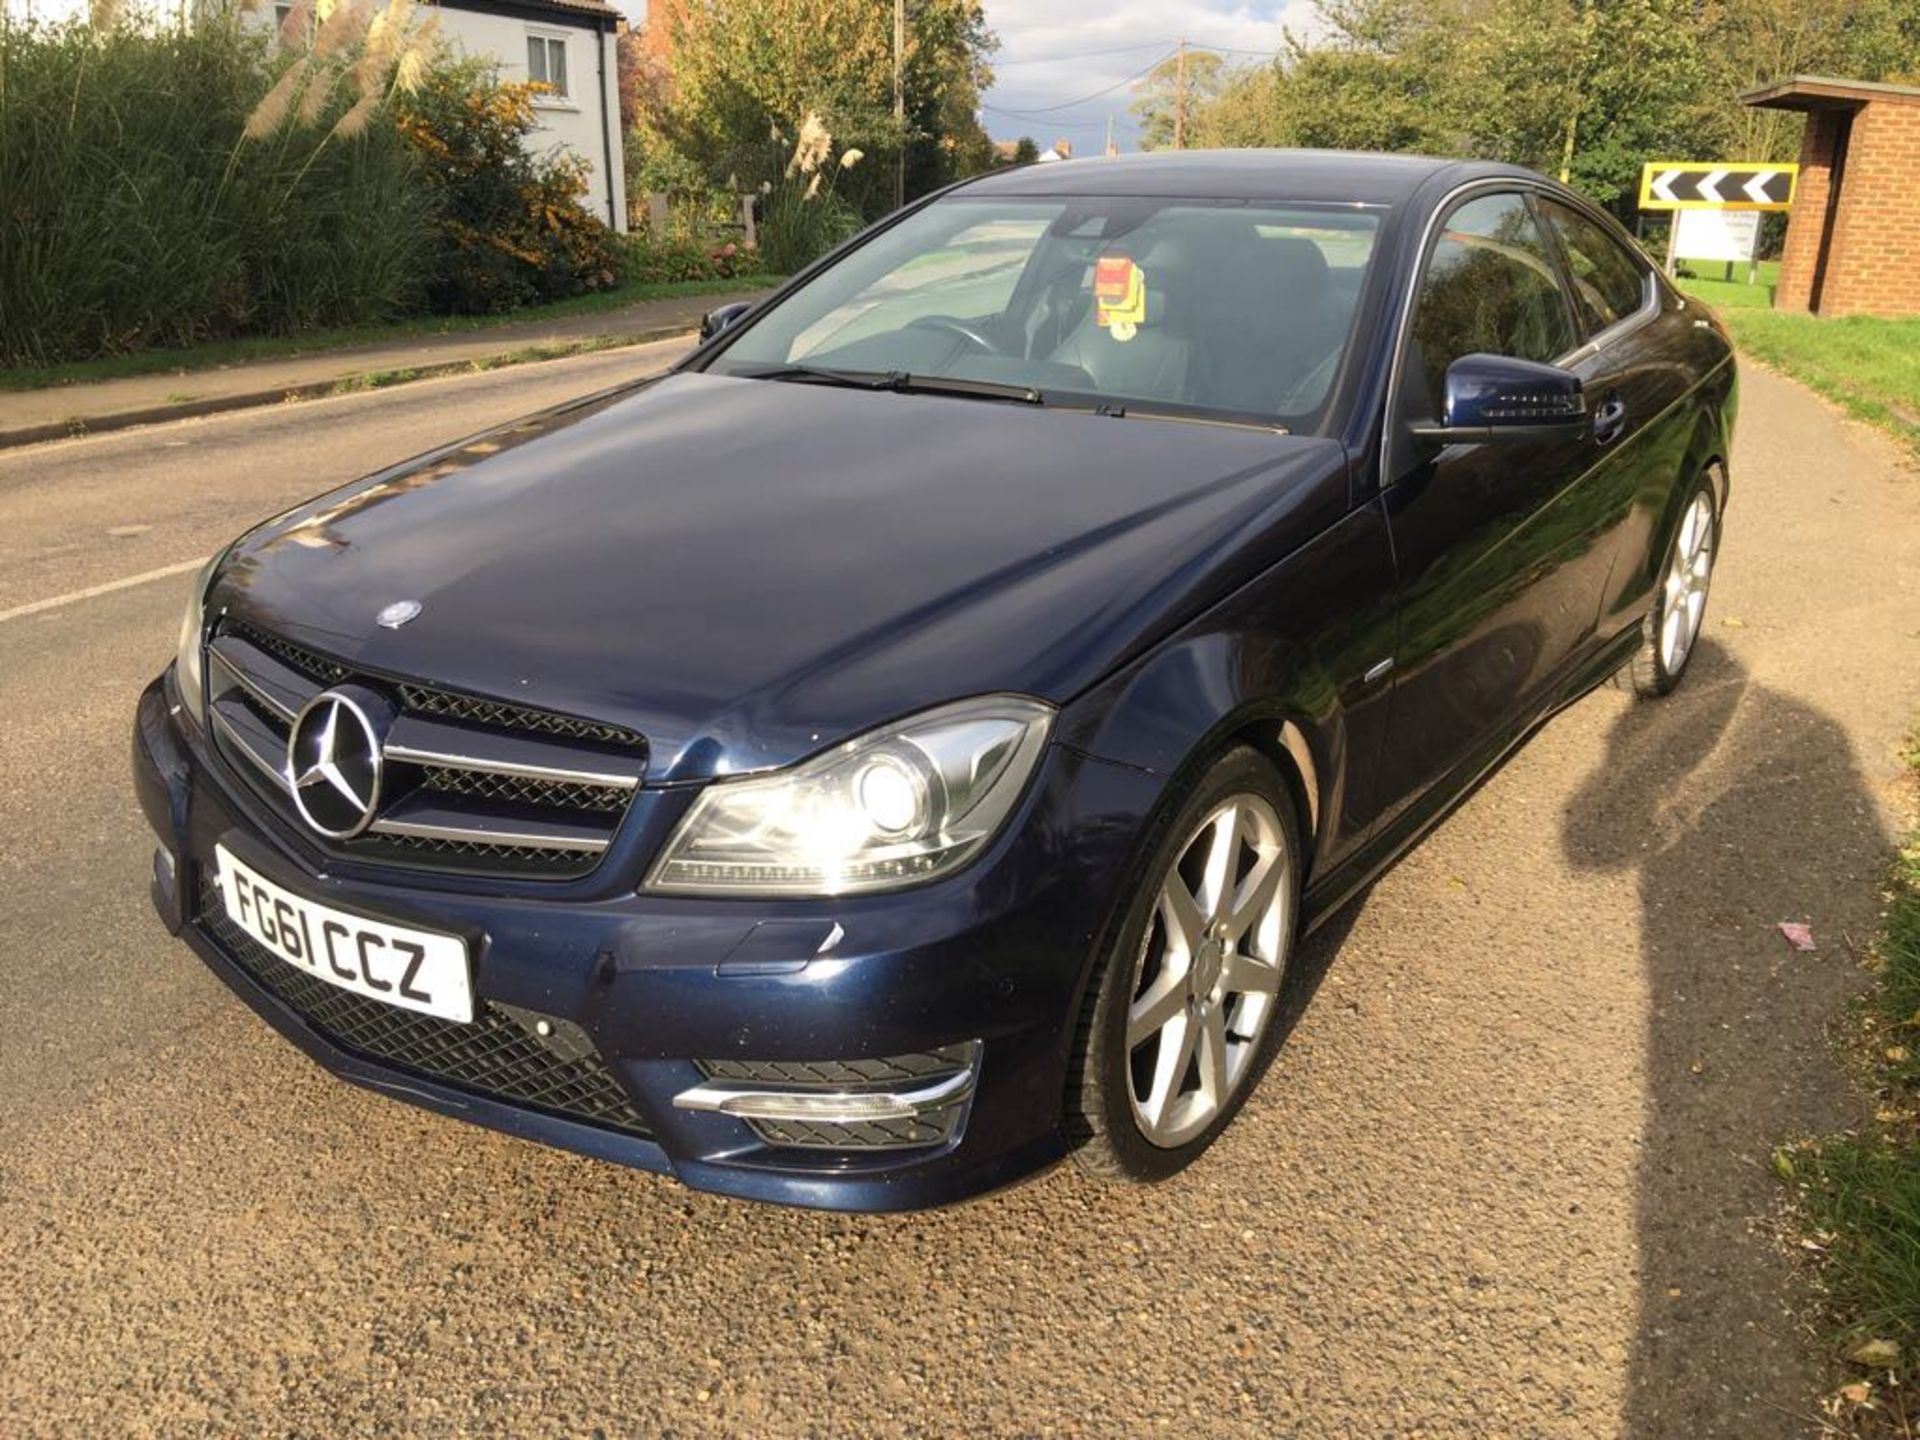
[(1509, 1177)]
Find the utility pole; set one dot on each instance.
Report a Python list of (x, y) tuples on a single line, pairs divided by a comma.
[(1109, 150), (900, 100), (1180, 98)]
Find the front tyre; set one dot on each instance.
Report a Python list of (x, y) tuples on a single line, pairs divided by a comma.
[(1178, 1025), (1672, 628)]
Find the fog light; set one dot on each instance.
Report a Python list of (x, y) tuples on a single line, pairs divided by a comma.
[(853, 1104)]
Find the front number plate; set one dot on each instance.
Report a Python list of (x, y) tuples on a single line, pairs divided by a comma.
[(414, 969)]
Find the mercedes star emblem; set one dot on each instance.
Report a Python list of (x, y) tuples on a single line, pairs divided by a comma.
[(393, 616), (333, 761)]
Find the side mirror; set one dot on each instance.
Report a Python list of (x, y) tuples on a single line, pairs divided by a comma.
[(722, 318), (1496, 397)]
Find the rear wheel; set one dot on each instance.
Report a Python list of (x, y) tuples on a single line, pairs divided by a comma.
[(1672, 628), (1178, 1025)]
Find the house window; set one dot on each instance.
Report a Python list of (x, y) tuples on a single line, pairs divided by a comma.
[(547, 63)]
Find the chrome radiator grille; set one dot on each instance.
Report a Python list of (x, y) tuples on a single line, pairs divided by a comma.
[(467, 784)]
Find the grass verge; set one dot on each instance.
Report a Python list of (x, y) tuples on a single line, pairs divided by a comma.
[(1734, 294), (1858, 1195), (1868, 365), (219, 353), (524, 355)]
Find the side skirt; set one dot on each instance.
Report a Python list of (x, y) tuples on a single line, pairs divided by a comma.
[(1378, 855)]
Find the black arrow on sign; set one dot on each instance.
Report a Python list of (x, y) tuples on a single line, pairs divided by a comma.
[(1734, 184)]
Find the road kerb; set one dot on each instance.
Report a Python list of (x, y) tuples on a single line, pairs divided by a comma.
[(81, 425)]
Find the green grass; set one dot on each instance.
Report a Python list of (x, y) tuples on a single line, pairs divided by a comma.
[(1859, 1193), (1868, 365), (1734, 294), (265, 347)]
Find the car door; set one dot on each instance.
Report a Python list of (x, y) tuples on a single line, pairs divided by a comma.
[(1632, 381), (1494, 541)]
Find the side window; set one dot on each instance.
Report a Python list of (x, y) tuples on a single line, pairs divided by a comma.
[(547, 63), (1608, 283), (1488, 287)]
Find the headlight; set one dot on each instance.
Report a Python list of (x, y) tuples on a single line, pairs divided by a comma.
[(892, 808), (189, 676)]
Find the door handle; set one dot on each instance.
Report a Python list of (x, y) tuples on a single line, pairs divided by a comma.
[(1609, 420)]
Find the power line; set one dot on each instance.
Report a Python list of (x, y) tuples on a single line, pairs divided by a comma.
[(1047, 110), (1080, 55), (1091, 126), (1237, 50)]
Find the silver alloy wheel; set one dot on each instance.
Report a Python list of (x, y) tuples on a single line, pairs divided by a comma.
[(1209, 968), (1684, 591)]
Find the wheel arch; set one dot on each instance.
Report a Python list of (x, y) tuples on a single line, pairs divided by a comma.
[(1188, 703)]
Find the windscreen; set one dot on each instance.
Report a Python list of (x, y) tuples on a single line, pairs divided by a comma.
[(1241, 310)]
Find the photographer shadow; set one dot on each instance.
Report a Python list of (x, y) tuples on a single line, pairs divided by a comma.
[(1736, 807)]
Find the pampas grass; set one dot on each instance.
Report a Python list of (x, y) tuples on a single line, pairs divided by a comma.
[(801, 222), (159, 188), (360, 53)]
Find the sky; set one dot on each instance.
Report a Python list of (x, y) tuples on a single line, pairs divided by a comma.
[(1054, 53)]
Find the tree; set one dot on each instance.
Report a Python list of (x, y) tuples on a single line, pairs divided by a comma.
[(1591, 89), (1025, 152), (946, 69), (1752, 42), (747, 72), (1379, 75), (1157, 96)]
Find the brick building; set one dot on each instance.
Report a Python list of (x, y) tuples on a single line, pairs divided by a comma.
[(1853, 242)]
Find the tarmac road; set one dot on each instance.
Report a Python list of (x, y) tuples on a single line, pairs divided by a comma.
[(1509, 1176)]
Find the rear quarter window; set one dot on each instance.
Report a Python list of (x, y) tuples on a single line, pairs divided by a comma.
[(1609, 284)]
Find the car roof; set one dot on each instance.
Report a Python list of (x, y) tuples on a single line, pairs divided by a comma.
[(1320, 176)]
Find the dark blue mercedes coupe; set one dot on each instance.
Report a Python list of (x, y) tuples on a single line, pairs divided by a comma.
[(904, 745)]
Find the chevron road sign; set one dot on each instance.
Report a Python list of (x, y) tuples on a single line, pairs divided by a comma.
[(1685, 185)]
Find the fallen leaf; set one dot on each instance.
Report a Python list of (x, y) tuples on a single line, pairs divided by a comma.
[(1783, 1164), (1798, 934), (1857, 1393), (1734, 622), (1897, 1054), (1878, 1354)]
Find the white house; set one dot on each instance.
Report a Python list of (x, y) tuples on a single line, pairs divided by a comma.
[(567, 45)]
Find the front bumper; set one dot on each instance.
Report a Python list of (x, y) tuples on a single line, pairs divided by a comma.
[(693, 999)]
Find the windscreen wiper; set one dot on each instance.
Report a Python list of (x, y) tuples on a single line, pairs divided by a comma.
[(974, 389), (897, 380), (1120, 410), (821, 375)]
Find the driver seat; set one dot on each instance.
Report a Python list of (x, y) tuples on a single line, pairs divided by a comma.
[(1158, 362)]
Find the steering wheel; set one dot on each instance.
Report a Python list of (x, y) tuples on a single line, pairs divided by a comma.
[(967, 331)]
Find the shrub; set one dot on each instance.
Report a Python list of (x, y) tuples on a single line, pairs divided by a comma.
[(652, 261), (804, 215), (134, 213), (796, 231), (512, 230)]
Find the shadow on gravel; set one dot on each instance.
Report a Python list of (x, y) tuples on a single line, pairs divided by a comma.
[(1736, 807)]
